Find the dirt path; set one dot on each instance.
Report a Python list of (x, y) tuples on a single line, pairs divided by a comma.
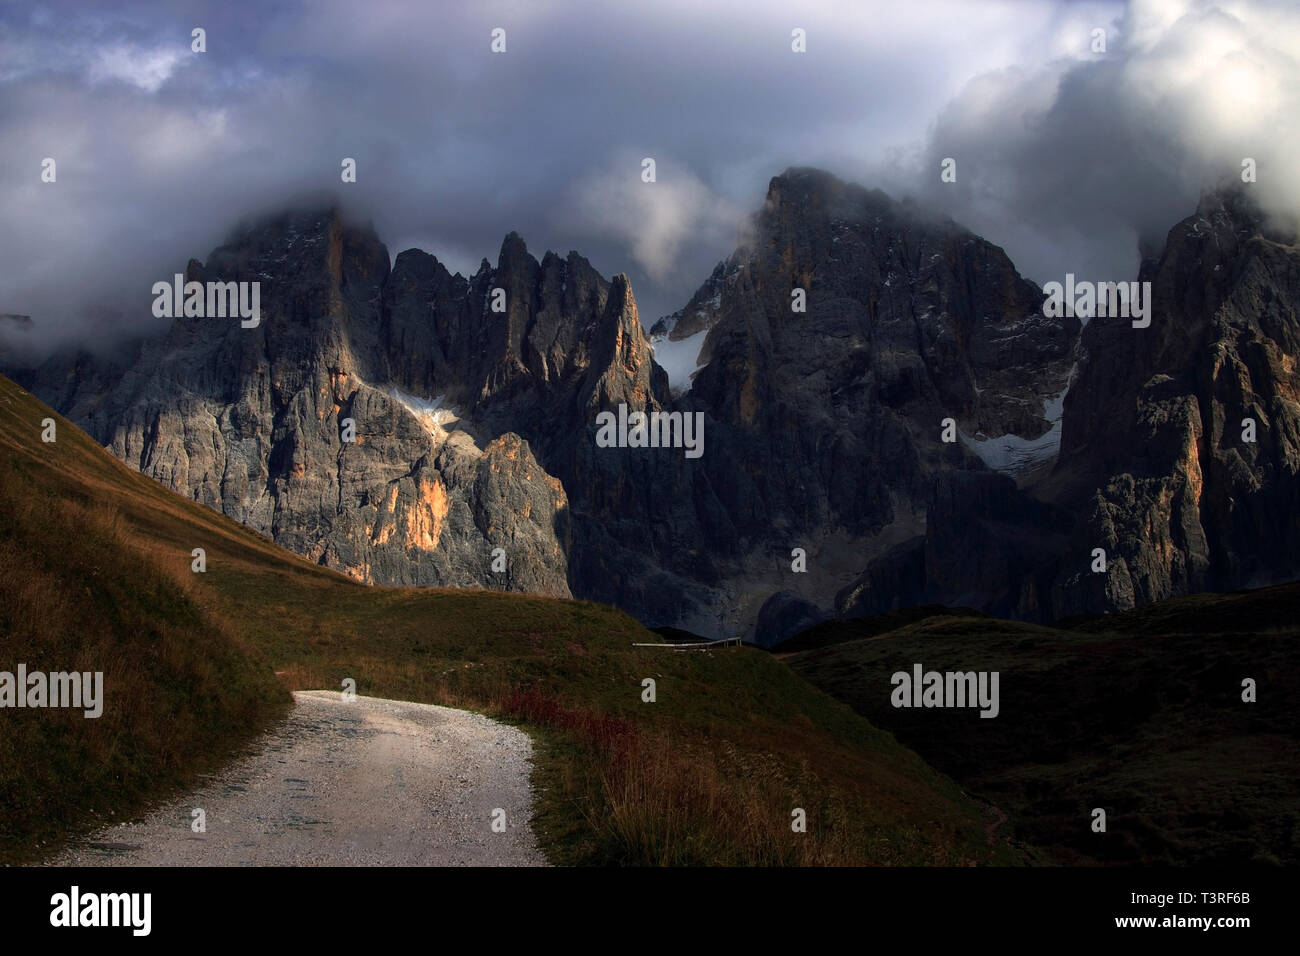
[(364, 783)]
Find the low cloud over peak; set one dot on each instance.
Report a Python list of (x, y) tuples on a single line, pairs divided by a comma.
[(1065, 156)]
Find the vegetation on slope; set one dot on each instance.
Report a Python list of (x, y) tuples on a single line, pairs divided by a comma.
[(182, 688), (708, 773)]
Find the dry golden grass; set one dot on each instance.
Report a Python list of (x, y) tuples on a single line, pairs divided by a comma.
[(181, 688)]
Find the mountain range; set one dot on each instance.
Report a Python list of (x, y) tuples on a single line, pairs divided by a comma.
[(890, 418)]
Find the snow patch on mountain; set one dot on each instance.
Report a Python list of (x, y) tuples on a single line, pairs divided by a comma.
[(679, 359), (429, 411), (1015, 456)]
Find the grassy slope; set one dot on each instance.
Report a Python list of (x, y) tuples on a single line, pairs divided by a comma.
[(182, 688), (707, 774), (1137, 713)]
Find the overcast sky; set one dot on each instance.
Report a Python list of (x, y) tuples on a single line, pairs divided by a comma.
[(1066, 157)]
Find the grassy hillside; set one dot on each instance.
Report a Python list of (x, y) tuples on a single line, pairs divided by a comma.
[(197, 663), (79, 591), (1137, 713)]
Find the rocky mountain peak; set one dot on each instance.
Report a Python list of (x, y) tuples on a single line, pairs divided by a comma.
[(621, 355)]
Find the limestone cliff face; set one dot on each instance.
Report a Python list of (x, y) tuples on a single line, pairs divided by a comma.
[(1157, 423), (834, 413), (825, 424), (253, 422), (1155, 467)]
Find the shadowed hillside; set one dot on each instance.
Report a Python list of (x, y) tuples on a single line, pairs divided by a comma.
[(1139, 713)]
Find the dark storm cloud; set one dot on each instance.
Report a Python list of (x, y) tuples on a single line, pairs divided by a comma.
[(161, 150)]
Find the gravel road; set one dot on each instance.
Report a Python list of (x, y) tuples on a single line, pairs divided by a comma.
[(363, 783)]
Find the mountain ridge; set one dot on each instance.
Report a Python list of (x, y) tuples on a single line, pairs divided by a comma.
[(824, 426)]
